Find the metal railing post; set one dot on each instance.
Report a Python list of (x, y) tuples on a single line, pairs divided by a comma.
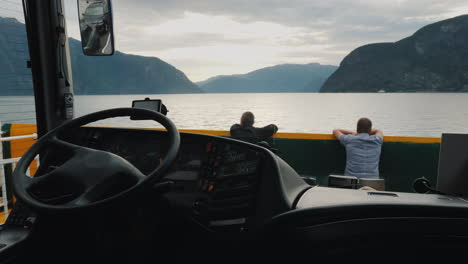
[(2, 172), (12, 161)]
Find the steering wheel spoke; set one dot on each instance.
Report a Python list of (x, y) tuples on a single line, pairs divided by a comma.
[(63, 144), (55, 186), (37, 181)]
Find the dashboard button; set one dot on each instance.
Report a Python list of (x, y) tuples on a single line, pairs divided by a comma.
[(210, 188), (208, 147)]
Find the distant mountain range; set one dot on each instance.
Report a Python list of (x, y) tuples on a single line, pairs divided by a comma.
[(434, 59), (118, 74), (126, 74), (284, 78)]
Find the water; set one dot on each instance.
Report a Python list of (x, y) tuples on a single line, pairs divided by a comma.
[(396, 114)]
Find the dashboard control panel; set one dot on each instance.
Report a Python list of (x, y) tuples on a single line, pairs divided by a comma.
[(220, 176), (227, 183)]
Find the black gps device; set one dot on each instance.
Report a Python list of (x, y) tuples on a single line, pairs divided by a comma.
[(149, 104)]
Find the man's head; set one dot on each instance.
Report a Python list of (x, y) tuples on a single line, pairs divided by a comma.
[(247, 119), (364, 125)]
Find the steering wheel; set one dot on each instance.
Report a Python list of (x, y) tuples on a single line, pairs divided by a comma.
[(92, 177)]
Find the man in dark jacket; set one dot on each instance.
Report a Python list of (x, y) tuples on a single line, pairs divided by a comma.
[(245, 131)]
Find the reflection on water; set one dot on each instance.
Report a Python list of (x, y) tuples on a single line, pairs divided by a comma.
[(396, 114)]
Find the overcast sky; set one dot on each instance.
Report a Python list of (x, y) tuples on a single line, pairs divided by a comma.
[(205, 38)]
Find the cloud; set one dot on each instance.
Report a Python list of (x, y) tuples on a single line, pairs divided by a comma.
[(209, 37)]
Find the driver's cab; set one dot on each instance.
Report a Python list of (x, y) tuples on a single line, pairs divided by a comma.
[(114, 193)]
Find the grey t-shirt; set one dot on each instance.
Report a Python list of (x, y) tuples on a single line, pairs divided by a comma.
[(362, 155)]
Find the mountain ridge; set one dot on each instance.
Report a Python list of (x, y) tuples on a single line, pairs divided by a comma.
[(118, 74), (433, 59), (277, 78)]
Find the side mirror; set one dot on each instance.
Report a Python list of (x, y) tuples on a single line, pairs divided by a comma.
[(96, 27)]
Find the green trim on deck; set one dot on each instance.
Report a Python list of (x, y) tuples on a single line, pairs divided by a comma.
[(400, 162)]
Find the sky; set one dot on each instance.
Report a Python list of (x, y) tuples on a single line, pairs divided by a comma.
[(205, 38)]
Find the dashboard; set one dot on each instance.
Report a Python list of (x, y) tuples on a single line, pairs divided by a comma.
[(215, 181), (234, 189)]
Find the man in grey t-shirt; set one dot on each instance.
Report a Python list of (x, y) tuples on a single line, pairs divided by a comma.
[(362, 149)]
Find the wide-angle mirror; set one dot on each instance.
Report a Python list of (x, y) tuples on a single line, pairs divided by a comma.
[(97, 38)]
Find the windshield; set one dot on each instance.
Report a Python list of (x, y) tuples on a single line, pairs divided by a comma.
[(308, 67), (307, 72), (16, 102)]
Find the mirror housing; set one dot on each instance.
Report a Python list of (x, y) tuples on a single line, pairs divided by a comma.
[(96, 27)]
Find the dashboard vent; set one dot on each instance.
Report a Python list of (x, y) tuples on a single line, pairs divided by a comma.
[(383, 194)]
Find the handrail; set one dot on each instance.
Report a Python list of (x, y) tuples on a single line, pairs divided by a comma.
[(8, 161), (33, 136), (13, 161)]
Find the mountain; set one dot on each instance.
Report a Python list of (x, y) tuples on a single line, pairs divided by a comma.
[(118, 74), (125, 74), (434, 59), (276, 79), (15, 77)]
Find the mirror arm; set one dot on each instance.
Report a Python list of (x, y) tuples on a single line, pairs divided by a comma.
[(64, 70)]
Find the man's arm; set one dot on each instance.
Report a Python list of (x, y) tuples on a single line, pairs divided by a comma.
[(265, 132), (377, 132), (339, 132), (234, 130)]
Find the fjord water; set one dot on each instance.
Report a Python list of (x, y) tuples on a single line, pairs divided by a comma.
[(414, 114)]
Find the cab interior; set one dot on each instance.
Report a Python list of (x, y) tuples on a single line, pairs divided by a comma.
[(131, 195)]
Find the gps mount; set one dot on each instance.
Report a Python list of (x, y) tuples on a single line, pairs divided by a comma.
[(149, 104)]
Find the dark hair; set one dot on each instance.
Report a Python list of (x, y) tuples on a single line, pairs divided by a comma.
[(247, 119), (364, 125)]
